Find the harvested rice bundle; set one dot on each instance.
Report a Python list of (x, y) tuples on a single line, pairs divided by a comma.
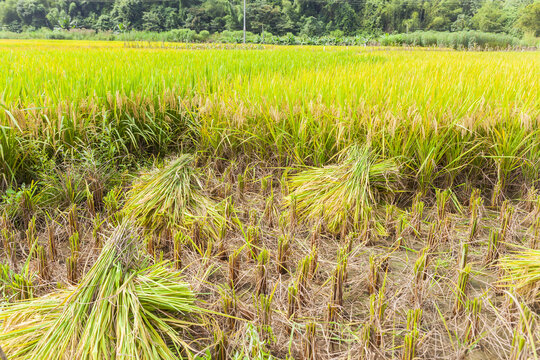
[(522, 270), (123, 308), (171, 197), (344, 191)]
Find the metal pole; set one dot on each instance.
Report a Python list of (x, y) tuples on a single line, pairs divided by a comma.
[(244, 21)]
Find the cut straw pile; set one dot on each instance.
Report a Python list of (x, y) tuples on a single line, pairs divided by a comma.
[(523, 273), (170, 197), (343, 191), (124, 308)]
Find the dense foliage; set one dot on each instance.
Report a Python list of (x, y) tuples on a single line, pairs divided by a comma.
[(313, 18)]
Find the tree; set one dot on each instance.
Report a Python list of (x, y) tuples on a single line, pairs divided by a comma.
[(445, 13), (129, 13), (490, 17), (529, 21), (312, 27), (32, 13), (8, 12)]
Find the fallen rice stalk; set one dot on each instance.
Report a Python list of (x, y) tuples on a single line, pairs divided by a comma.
[(172, 197), (341, 191), (522, 269)]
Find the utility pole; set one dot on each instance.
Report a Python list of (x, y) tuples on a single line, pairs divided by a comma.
[(244, 21)]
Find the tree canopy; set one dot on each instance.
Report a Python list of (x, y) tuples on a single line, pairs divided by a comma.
[(279, 17)]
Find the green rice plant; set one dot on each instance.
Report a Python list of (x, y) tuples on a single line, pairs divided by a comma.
[(332, 317), (389, 219), (283, 255), (73, 220), (179, 241), (65, 186), (302, 279), (229, 301), (497, 195), (437, 153), (253, 346), (31, 235), (122, 307), (309, 342), (506, 214), (12, 154), (414, 318), (74, 243), (535, 239), (417, 211), (461, 289), (510, 148), (269, 210), (222, 241), (72, 262), (113, 200), (252, 237), (16, 286), (400, 230), (264, 314), (463, 256), (172, 197), (241, 186), (493, 251), (373, 329), (292, 302), (520, 349), (475, 205), (234, 268), (420, 275), (43, 264), (473, 308), (262, 274), (10, 245), (522, 272), (51, 237), (72, 269), (21, 205), (339, 278), (221, 344), (442, 198), (373, 275), (342, 191)]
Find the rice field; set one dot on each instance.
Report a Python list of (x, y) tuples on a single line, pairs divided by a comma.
[(171, 201)]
